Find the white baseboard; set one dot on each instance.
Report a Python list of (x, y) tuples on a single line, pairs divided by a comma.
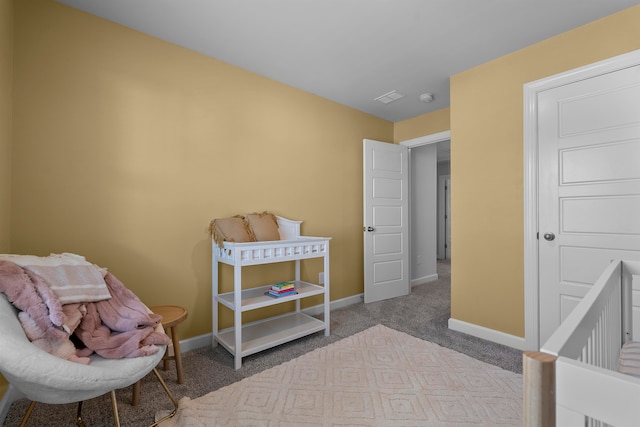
[(487, 334), (344, 302), (10, 396), (205, 340), (424, 279), (194, 343)]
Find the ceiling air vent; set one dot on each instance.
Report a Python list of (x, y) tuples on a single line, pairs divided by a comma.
[(389, 97)]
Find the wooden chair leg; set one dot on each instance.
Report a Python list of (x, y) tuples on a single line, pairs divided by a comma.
[(165, 359), (114, 406), (177, 355), (135, 398), (173, 399), (79, 420), (27, 414)]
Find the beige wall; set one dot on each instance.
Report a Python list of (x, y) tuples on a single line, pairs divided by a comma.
[(426, 124), (126, 147), (6, 66), (487, 172)]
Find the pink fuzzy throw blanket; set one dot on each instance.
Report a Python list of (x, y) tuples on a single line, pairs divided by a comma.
[(29, 293), (118, 327)]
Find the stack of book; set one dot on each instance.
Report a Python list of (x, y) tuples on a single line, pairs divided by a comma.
[(282, 289)]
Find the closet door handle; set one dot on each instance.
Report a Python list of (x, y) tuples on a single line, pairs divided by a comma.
[(371, 229)]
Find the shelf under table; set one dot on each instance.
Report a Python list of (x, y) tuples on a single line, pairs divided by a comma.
[(255, 297), (267, 333)]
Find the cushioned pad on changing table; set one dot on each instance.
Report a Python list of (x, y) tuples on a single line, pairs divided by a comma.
[(629, 362)]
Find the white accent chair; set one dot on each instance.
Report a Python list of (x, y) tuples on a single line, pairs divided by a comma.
[(42, 377)]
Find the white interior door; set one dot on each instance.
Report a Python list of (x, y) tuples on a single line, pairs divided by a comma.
[(386, 220), (589, 186)]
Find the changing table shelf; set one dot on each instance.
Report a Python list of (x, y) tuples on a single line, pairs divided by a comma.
[(255, 297), (266, 333)]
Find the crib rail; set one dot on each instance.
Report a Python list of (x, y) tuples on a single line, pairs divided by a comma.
[(272, 251), (573, 381), (592, 333)]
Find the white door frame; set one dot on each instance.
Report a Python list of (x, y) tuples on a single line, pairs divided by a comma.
[(427, 139), (531, 90)]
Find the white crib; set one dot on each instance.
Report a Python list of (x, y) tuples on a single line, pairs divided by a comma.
[(573, 380)]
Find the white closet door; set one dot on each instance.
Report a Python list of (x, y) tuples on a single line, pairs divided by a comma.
[(589, 186)]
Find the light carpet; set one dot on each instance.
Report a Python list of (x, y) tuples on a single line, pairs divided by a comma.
[(378, 377)]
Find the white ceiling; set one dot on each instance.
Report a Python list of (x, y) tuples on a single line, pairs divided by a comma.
[(352, 51)]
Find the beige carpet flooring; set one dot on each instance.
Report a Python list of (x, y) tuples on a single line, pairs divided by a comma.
[(377, 377)]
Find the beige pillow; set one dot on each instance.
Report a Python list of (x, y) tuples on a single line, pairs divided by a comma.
[(264, 226), (234, 229)]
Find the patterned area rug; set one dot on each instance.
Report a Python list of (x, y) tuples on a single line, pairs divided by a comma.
[(378, 377)]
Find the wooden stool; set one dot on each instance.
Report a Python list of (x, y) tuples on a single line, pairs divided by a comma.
[(172, 316)]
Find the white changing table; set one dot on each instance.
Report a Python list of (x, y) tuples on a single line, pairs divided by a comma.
[(270, 332)]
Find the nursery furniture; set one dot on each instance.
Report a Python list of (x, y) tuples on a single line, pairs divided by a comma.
[(245, 339), (42, 377), (581, 375), (172, 316)]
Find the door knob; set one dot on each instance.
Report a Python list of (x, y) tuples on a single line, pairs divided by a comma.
[(549, 236), (370, 229)]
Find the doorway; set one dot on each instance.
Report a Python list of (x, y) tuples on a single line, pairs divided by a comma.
[(430, 159)]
